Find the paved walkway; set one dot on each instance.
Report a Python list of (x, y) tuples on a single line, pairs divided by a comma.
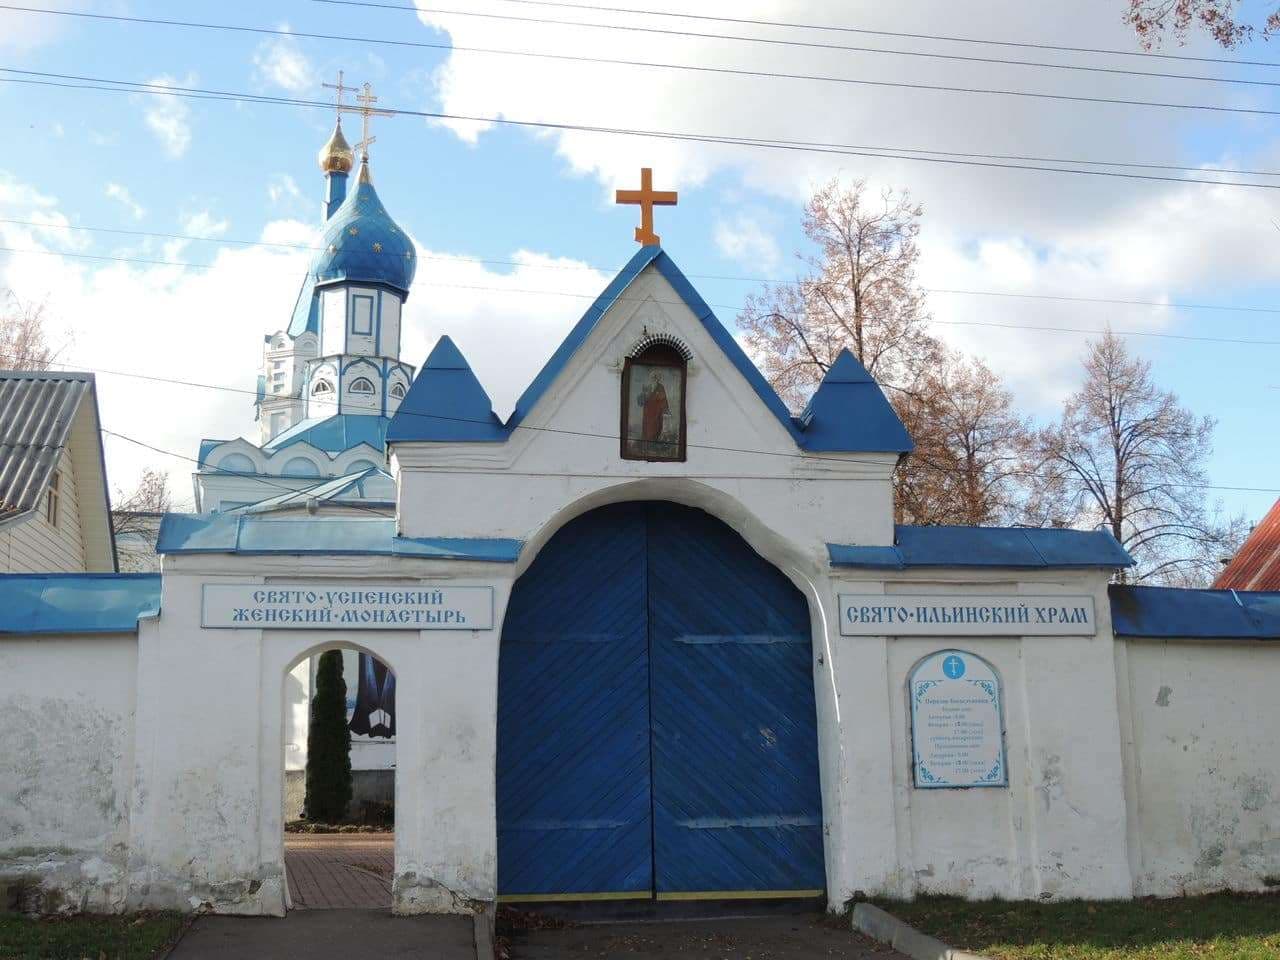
[(800, 937), (339, 870), (328, 935)]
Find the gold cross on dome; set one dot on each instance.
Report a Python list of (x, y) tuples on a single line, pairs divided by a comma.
[(647, 198), (341, 89), (366, 99)]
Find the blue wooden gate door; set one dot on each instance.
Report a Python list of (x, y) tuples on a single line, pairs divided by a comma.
[(656, 722), (736, 798), (573, 716)]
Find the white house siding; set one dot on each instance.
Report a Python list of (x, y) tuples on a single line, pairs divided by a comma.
[(66, 768), (1203, 764), (34, 546)]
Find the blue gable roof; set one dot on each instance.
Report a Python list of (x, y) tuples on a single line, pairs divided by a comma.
[(849, 413), (1008, 547), (225, 533), (445, 402), (1196, 614), (77, 602)]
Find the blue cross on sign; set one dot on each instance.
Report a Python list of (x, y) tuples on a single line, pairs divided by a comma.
[(953, 667)]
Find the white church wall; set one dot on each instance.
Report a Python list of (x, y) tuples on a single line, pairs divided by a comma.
[(333, 320), (389, 330), (209, 798), (1056, 830), (737, 450), (1203, 764), (66, 767)]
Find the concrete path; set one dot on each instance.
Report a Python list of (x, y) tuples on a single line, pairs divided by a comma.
[(340, 870), (800, 937), (328, 935)]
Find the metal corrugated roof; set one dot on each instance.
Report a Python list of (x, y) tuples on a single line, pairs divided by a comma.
[(36, 413), (1256, 565)]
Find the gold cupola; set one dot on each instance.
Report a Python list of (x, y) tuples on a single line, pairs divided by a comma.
[(336, 155)]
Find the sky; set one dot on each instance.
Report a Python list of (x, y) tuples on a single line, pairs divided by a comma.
[(516, 225)]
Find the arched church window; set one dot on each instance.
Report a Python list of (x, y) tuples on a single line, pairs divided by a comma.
[(361, 385), (301, 467), (397, 391), (359, 466), (321, 387), (653, 408), (236, 463)]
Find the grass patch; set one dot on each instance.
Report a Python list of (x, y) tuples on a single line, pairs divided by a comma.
[(1220, 926), (137, 937)]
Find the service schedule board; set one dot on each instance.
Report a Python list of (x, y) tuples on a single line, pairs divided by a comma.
[(957, 722)]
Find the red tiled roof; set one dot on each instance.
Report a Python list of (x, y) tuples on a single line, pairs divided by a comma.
[(1256, 566)]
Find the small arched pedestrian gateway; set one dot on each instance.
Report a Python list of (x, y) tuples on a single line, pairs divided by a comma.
[(656, 718)]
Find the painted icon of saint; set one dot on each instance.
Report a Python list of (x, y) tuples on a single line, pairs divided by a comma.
[(653, 401)]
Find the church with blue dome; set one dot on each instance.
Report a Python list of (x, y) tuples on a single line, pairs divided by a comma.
[(332, 379)]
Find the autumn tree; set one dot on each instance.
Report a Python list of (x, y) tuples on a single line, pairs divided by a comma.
[(858, 291), (970, 461), (135, 520), (24, 335), (1153, 20), (1126, 455)]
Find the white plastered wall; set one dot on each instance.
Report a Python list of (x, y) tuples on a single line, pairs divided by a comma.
[(66, 763), (209, 788), (1202, 764)]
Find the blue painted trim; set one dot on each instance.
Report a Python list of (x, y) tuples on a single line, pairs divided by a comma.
[(322, 536), (77, 602), (972, 547)]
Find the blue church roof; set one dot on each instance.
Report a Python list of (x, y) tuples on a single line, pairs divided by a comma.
[(1028, 548), (361, 243), (447, 402), (332, 536), (77, 602), (334, 434), (849, 413)]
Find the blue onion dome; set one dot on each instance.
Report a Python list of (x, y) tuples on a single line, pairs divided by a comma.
[(363, 244)]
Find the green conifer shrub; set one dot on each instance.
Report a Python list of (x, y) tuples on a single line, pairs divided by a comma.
[(328, 745)]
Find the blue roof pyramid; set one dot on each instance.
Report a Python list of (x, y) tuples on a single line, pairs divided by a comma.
[(849, 412), (446, 403)]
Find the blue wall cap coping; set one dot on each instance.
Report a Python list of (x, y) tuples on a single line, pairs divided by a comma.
[(188, 533), (1196, 614), (77, 602), (1009, 547), (334, 434)]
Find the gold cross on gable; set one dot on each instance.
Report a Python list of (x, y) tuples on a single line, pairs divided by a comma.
[(647, 198)]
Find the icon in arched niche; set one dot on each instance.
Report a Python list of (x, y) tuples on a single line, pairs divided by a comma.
[(653, 404)]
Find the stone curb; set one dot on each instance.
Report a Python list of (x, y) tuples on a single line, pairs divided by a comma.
[(887, 928), (483, 926)]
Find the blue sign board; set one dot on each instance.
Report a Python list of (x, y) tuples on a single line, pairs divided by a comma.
[(957, 722)]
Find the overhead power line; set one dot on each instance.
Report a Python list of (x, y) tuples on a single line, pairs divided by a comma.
[(944, 38), (529, 291), (650, 64), (109, 85), (808, 44)]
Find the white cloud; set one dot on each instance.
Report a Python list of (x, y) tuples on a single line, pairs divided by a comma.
[(204, 224), (168, 116), (742, 238), (283, 188), (279, 62), (121, 193), (25, 31)]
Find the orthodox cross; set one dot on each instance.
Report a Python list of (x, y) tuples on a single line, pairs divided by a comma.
[(647, 198), (342, 89), (366, 99)]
